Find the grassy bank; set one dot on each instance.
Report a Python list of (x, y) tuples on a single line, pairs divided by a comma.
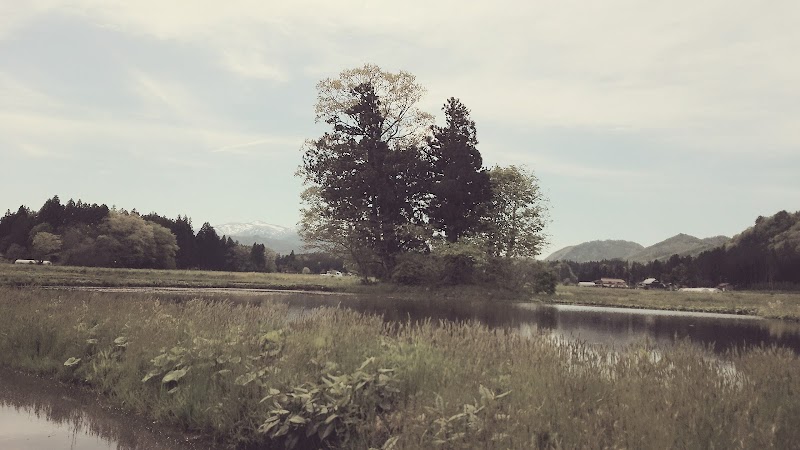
[(782, 305), (778, 305), (24, 275), (258, 375)]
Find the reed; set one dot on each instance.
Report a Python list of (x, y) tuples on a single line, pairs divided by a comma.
[(267, 375)]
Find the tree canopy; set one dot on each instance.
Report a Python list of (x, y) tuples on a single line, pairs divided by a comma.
[(383, 183), (517, 213), (460, 184), (365, 180), (85, 234), (403, 122)]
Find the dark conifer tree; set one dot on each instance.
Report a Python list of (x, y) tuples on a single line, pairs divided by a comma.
[(258, 257), (52, 212), (210, 248), (460, 184)]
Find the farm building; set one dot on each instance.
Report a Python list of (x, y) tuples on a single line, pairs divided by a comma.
[(32, 261), (725, 287), (588, 284), (651, 283)]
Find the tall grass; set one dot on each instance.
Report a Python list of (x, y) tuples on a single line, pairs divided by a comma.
[(258, 375)]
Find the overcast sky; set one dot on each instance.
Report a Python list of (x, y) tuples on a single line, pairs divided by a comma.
[(641, 119)]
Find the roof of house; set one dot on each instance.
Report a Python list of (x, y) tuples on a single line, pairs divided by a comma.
[(611, 280), (650, 281)]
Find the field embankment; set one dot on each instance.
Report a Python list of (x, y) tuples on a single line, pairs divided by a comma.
[(256, 375), (70, 276), (774, 305)]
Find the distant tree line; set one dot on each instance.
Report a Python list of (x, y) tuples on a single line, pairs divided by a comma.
[(765, 256), (84, 234), (403, 199)]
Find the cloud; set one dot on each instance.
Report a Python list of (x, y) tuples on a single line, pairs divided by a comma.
[(270, 142), (18, 95), (70, 136), (563, 166), (718, 75), (252, 64), (164, 99)]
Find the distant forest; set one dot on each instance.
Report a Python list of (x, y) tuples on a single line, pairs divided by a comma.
[(765, 256), (83, 234)]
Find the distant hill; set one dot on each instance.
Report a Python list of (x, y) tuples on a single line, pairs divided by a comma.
[(596, 251), (680, 244), (280, 239), (780, 232)]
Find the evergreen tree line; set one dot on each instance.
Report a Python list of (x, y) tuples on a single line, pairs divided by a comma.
[(765, 256), (84, 234)]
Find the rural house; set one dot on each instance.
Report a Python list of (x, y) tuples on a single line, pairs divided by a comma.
[(651, 283)]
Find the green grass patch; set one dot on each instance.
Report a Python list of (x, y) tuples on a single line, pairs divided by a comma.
[(263, 376), (24, 275)]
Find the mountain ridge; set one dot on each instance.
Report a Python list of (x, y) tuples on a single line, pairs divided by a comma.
[(278, 238), (596, 251), (681, 244), (254, 228)]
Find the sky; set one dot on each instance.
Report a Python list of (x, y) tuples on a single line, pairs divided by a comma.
[(641, 119)]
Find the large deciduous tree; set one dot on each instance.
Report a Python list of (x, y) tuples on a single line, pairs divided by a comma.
[(321, 231), (45, 245), (459, 182), (517, 213), (368, 171), (404, 124), (127, 240)]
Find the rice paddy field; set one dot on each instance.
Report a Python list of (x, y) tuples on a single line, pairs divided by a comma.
[(71, 276), (774, 305), (258, 376)]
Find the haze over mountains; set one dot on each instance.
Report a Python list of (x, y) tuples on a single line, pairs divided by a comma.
[(681, 244), (280, 239)]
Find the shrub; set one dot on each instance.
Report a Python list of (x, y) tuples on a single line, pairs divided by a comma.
[(524, 275), (416, 269), (458, 269)]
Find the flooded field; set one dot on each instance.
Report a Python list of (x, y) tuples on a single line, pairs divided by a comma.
[(615, 327), (37, 414), (611, 326)]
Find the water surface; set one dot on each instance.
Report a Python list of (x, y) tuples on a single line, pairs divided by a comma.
[(614, 327), (37, 414)]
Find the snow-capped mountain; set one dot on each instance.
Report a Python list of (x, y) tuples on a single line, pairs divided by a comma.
[(280, 239), (257, 228)]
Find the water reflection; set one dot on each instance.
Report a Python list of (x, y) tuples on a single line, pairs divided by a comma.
[(39, 414), (614, 327)]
